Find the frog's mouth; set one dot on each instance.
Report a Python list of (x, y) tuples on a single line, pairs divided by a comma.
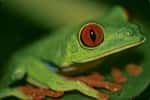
[(79, 67), (90, 63)]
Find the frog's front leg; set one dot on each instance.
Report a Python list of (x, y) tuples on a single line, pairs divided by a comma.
[(39, 74)]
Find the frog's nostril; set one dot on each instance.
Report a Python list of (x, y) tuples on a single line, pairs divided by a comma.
[(129, 33)]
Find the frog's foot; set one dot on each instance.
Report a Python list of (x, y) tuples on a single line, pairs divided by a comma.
[(118, 76), (133, 69), (93, 76), (39, 93), (103, 96), (97, 81)]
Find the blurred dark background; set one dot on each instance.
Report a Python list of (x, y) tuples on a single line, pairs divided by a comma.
[(18, 28)]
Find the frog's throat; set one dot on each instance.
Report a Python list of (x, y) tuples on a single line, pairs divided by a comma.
[(79, 67)]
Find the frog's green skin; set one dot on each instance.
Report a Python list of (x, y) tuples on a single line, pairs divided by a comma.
[(64, 48)]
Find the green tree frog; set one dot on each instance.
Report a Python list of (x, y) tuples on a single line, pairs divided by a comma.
[(69, 50)]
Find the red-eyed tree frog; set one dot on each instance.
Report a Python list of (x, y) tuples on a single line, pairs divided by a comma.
[(42, 62)]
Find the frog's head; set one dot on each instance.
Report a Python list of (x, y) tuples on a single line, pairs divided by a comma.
[(96, 40)]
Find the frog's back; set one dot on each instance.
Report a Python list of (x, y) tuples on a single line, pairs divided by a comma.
[(51, 47)]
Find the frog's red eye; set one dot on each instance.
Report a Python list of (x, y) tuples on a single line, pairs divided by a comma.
[(91, 35)]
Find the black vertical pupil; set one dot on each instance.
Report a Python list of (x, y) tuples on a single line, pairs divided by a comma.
[(92, 35)]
